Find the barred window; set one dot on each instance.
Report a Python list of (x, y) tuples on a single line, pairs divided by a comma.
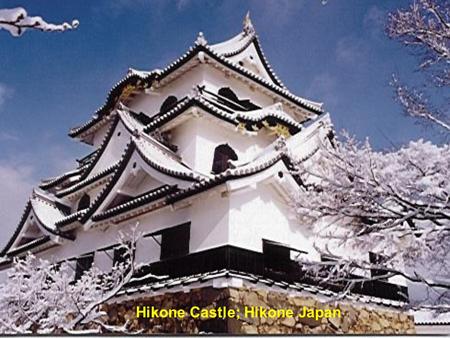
[(175, 241), (276, 256), (377, 259), (84, 263)]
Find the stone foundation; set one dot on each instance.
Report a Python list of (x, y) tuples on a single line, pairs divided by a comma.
[(355, 318)]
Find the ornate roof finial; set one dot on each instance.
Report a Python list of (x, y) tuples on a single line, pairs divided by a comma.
[(201, 39), (248, 26)]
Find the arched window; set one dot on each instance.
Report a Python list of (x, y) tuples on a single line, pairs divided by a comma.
[(168, 103), (222, 154), (84, 202)]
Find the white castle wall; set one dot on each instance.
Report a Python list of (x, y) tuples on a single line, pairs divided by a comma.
[(198, 138)]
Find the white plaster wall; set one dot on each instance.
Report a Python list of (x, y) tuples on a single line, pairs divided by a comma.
[(150, 103), (203, 74), (210, 218), (251, 61), (209, 229), (139, 184), (184, 137), (216, 79), (96, 238), (114, 150), (99, 135), (259, 213), (197, 139)]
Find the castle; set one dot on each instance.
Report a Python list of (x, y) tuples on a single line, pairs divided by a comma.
[(200, 154)]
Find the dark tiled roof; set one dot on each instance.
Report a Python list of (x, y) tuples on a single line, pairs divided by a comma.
[(81, 184), (114, 95), (174, 168), (101, 148), (112, 98), (220, 112), (229, 174), (18, 229), (70, 218), (255, 40), (136, 202), (107, 189), (59, 179), (150, 284), (30, 245)]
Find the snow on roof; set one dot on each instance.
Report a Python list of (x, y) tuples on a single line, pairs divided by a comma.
[(425, 317), (233, 45), (94, 179), (46, 212), (162, 159), (240, 43), (51, 182), (139, 80), (151, 283), (135, 202), (140, 73), (274, 110), (132, 124)]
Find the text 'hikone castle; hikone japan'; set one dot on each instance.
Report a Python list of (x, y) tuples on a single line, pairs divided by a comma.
[(200, 155)]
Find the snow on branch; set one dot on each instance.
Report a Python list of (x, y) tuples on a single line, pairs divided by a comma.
[(40, 297), (415, 104), (16, 21), (424, 27), (394, 203)]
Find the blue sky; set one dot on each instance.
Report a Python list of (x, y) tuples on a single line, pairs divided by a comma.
[(337, 54)]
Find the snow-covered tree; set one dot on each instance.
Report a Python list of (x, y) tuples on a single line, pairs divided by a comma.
[(41, 297), (16, 21), (395, 203), (424, 27)]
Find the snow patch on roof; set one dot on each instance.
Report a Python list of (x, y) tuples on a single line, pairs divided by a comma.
[(424, 317)]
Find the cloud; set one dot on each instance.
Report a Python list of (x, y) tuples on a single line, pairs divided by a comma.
[(5, 93), (182, 4), (352, 51), (117, 8), (374, 21), (278, 12), (323, 89), (15, 187), (20, 171), (7, 136)]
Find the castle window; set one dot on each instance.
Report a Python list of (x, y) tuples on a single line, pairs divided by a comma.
[(175, 241), (276, 256), (84, 263), (377, 259), (222, 154), (230, 99), (168, 104), (84, 202), (226, 92)]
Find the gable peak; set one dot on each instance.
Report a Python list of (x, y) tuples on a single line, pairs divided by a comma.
[(201, 40), (248, 25)]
